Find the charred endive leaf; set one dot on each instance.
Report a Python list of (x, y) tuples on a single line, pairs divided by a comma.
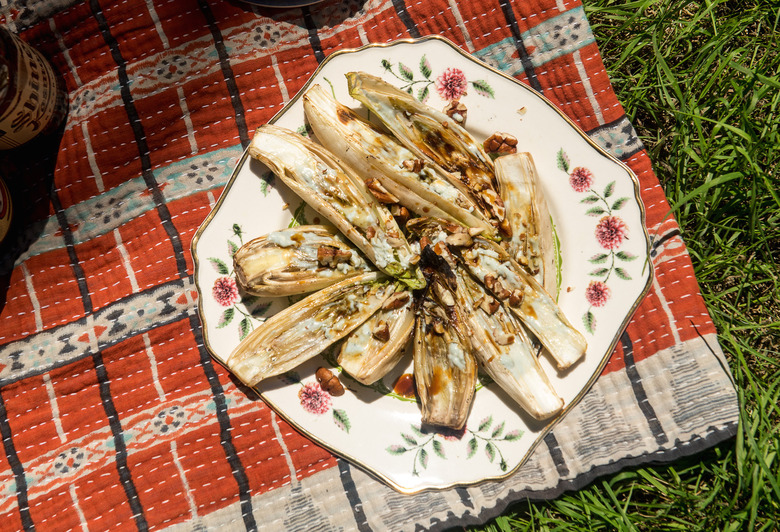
[(376, 347), (334, 191), (526, 298), (445, 371), (500, 344), (305, 329), (504, 350), (294, 261), (373, 154), (532, 244), (432, 135)]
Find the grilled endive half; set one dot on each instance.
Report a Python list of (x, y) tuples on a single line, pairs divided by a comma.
[(500, 344), (504, 350), (295, 261), (305, 329), (526, 298), (445, 371), (533, 243), (334, 191), (376, 346), (373, 153), (433, 136)]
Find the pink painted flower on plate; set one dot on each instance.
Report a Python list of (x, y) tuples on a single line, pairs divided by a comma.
[(610, 232), (581, 179), (225, 291), (451, 84), (314, 399), (597, 293)]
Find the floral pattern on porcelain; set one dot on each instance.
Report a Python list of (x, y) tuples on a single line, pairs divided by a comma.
[(226, 293), (611, 231), (423, 442), (451, 84), (318, 402)]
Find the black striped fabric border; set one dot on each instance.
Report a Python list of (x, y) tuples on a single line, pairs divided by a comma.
[(557, 455), (658, 242), (16, 467), (120, 449), (223, 418), (227, 72), (465, 498), (345, 474), (639, 390), (140, 137), (67, 237), (403, 14), (314, 38), (528, 66)]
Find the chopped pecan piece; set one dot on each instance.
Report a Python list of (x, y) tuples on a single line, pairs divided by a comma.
[(381, 331), (500, 143), (325, 255), (379, 191), (331, 257), (329, 382), (323, 374), (457, 111), (451, 228), (440, 248), (459, 239), (489, 304), (413, 165), (342, 255), (400, 213), (501, 292), (516, 298), (396, 301)]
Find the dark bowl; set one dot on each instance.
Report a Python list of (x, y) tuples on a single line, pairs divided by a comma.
[(281, 3)]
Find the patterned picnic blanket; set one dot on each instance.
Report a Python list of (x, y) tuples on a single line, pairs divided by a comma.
[(112, 412)]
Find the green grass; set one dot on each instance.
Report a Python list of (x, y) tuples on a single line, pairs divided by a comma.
[(699, 80)]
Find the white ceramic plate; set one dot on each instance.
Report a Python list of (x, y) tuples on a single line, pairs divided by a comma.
[(599, 219)]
